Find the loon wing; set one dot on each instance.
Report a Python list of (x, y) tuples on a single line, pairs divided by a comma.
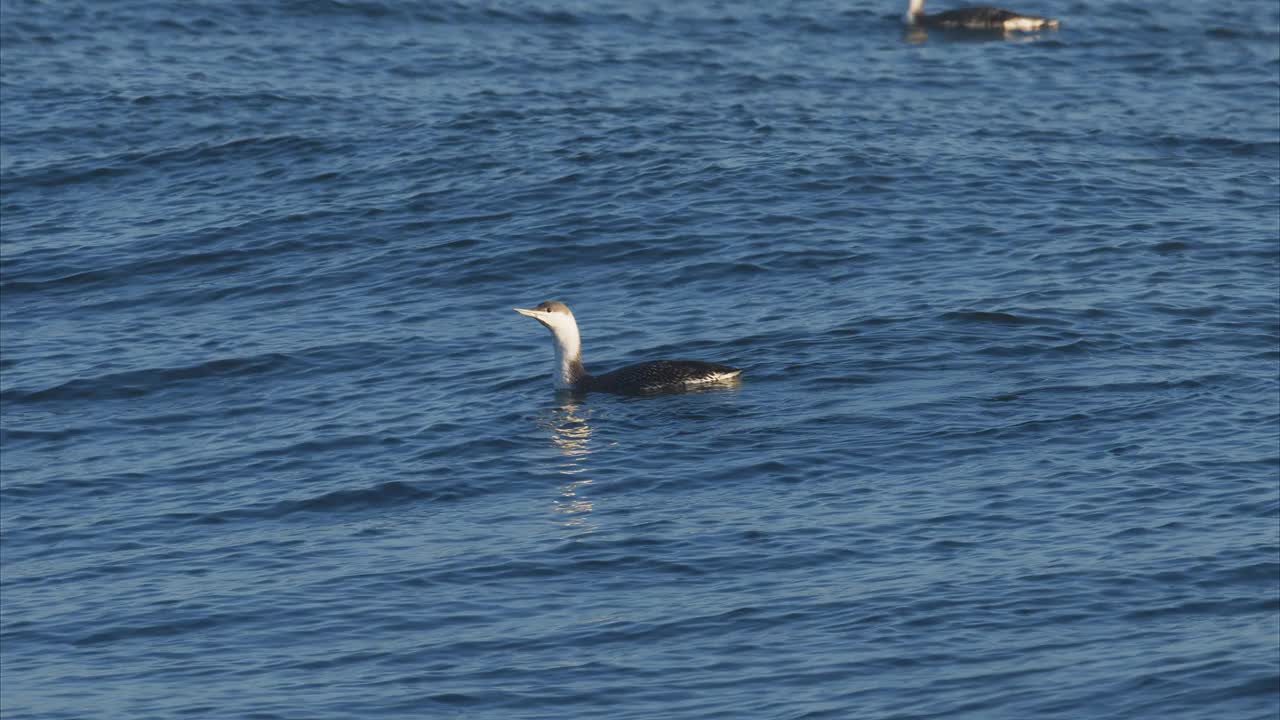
[(661, 376)]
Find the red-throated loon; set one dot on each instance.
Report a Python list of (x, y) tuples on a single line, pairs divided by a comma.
[(639, 379), (977, 18)]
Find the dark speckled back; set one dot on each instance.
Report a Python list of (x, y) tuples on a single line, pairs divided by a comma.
[(661, 376)]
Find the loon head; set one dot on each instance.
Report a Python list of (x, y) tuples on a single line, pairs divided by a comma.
[(554, 316), (558, 318)]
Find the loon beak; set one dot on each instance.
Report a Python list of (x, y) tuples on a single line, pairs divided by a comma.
[(531, 313)]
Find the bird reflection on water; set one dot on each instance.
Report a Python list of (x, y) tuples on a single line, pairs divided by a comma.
[(571, 434), (568, 424)]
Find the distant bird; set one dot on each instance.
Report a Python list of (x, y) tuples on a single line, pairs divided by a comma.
[(644, 378), (977, 18)]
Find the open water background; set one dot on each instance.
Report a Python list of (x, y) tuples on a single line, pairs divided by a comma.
[(275, 446)]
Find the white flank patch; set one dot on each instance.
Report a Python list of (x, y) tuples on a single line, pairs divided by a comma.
[(714, 377), (1028, 24)]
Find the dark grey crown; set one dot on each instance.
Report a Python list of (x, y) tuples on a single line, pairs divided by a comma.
[(553, 306)]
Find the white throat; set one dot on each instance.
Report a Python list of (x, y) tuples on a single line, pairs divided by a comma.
[(564, 335), (914, 11)]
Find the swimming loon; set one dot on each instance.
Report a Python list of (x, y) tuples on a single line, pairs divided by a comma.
[(639, 379), (977, 18)]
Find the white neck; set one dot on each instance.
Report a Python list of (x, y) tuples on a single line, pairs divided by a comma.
[(914, 10), (568, 346)]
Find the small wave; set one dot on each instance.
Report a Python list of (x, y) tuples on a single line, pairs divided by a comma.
[(202, 154), (1261, 573), (842, 380), (9, 435), (1211, 608), (997, 318), (385, 494), (718, 270), (137, 383), (1138, 387), (1229, 33), (166, 629), (1218, 145), (209, 262)]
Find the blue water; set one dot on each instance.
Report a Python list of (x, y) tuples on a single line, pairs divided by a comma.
[(1007, 443)]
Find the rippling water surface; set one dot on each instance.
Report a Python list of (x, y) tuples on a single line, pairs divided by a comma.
[(275, 446)]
